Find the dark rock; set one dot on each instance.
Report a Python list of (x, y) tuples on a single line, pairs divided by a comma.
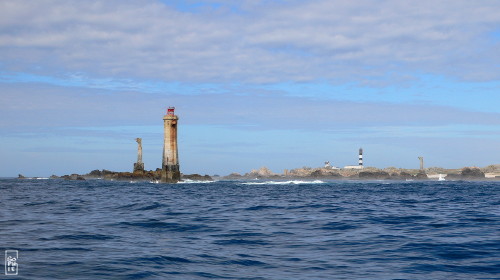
[(453, 176), (129, 176), (73, 177), (378, 175), (472, 173), (20, 176), (401, 176), (95, 173), (405, 175), (196, 177), (233, 176), (107, 172), (324, 174), (421, 176), (467, 173)]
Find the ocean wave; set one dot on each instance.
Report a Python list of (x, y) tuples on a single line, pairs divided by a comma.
[(187, 181), (118, 230), (294, 182)]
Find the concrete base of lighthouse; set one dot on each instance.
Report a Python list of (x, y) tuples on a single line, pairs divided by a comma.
[(139, 167), (170, 173)]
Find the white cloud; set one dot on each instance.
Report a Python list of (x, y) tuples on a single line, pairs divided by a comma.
[(41, 108), (261, 42)]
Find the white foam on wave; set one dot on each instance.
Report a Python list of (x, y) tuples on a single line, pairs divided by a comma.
[(40, 178), (294, 182), (187, 181)]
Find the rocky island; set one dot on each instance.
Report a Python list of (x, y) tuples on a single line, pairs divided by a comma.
[(138, 175), (491, 172)]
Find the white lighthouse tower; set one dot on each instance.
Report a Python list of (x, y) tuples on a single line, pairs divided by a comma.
[(361, 157)]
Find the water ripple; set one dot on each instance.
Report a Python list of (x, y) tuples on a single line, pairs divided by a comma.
[(98, 229)]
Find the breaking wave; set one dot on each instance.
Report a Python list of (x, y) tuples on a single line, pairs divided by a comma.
[(294, 182), (187, 181)]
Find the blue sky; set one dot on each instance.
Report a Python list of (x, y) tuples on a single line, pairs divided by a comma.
[(282, 84)]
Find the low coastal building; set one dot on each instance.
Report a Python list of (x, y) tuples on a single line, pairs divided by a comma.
[(353, 167), (328, 166)]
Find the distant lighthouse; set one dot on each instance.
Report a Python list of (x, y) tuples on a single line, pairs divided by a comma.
[(139, 165), (170, 172), (361, 157)]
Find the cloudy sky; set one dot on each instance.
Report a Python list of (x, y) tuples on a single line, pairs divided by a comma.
[(274, 83)]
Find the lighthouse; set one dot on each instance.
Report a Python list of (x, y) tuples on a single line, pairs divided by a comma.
[(170, 172), (139, 165), (360, 161)]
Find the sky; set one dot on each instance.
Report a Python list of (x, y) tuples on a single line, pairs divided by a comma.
[(276, 83)]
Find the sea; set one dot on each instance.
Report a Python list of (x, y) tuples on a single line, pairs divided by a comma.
[(256, 229)]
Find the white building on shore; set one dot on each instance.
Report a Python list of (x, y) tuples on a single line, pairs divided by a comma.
[(353, 167)]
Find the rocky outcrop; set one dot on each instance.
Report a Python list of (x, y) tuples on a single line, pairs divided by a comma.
[(467, 173), (131, 176), (421, 176), (374, 175), (96, 173), (300, 172), (368, 173), (233, 176), (128, 176), (73, 177), (312, 173), (262, 172), (401, 175), (494, 168), (472, 173), (324, 173), (196, 177), (111, 175)]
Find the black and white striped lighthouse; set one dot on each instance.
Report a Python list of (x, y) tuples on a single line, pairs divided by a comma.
[(361, 157)]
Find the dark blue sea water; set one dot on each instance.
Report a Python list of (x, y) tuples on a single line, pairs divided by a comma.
[(251, 230)]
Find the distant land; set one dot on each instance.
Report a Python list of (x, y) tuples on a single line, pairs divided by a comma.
[(490, 172)]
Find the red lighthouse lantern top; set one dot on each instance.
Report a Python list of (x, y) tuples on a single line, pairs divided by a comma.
[(170, 111)]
